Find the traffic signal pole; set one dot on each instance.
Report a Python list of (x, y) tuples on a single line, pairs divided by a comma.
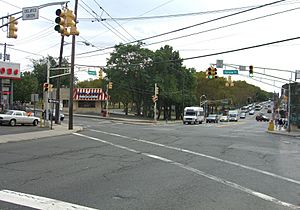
[(72, 73), (57, 105)]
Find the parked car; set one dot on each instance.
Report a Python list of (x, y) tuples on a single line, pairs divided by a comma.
[(14, 117), (212, 118), (243, 115), (224, 118), (261, 117)]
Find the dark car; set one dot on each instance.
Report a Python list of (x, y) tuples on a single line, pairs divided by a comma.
[(261, 117), (212, 118)]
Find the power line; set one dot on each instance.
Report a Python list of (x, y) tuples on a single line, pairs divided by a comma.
[(101, 22), (191, 26), (114, 19), (221, 27), (180, 15)]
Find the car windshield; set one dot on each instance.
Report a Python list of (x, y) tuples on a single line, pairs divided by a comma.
[(189, 113), (212, 115), (9, 112), (232, 115)]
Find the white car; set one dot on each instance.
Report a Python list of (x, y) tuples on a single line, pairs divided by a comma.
[(13, 117)]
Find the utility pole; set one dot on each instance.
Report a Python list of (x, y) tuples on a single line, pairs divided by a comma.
[(155, 104), (72, 73), (106, 100), (57, 105)]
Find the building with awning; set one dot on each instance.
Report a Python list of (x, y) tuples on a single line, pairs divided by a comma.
[(85, 100)]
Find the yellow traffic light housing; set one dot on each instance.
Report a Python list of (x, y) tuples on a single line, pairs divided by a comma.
[(251, 71), (209, 73), (110, 85), (100, 73), (12, 29), (71, 22), (60, 20)]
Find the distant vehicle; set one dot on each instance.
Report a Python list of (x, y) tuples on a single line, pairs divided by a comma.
[(261, 117), (233, 115), (258, 107), (252, 112), (243, 115), (193, 115), (269, 111), (14, 117), (212, 118), (224, 118)]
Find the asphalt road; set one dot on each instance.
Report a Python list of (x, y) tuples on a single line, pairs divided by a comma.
[(116, 165)]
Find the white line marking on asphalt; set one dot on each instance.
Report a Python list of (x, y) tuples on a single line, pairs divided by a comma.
[(203, 155), (37, 202), (201, 173)]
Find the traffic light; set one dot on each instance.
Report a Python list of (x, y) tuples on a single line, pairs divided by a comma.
[(60, 20), (154, 98), (50, 87), (110, 85), (70, 21), (214, 73), (209, 73), (12, 29), (46, 87), (251, 71)]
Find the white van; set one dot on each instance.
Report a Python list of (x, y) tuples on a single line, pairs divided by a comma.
[(193, 115)]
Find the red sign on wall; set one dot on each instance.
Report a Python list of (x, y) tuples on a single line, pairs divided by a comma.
[(10, 70)]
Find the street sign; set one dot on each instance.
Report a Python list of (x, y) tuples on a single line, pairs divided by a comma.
[(242, 68), (91, 72), (30, 13), (230, 72), (297, 75), (53, 100), (34, 97), (219, 64)]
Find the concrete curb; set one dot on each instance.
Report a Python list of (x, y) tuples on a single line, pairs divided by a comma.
[(284, 133), (57, 130)]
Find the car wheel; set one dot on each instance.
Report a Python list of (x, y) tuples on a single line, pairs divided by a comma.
[(12, 122), (35, 122)]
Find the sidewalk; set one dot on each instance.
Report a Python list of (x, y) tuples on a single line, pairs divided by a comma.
[(57, 130), (284, 132)]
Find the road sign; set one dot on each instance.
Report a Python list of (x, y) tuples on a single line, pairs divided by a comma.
[(297, 75), (53, 100), (30, 13), (91, 72), (224, 101), (230, 72), (34, 97), (219, 64)]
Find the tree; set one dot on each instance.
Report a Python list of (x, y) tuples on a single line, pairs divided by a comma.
[(25, 87), (128, 69)]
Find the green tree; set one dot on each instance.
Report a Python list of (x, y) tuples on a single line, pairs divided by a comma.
[(128, 69), (25, 87)]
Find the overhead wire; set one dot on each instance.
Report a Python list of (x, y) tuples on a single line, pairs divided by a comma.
[(102, 23), (191, 26), (114, 20), (221, 27)]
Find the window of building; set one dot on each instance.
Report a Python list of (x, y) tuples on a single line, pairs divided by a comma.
[(87, 104)]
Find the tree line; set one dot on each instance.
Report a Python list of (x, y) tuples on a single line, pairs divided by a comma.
[(134, 70)]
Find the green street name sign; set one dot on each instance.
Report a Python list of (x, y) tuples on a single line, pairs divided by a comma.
[(230, 71), (90, 72)]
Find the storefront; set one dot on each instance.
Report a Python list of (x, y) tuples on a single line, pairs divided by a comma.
[(8, 73), (85, 100)]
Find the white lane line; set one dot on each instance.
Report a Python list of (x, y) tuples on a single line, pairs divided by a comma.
[(201, 173), (203, 155), (37, 202)]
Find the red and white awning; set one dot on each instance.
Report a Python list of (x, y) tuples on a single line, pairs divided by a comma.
[(89, 94)]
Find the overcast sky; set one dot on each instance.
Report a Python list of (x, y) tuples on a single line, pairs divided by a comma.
[(37, 38)]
